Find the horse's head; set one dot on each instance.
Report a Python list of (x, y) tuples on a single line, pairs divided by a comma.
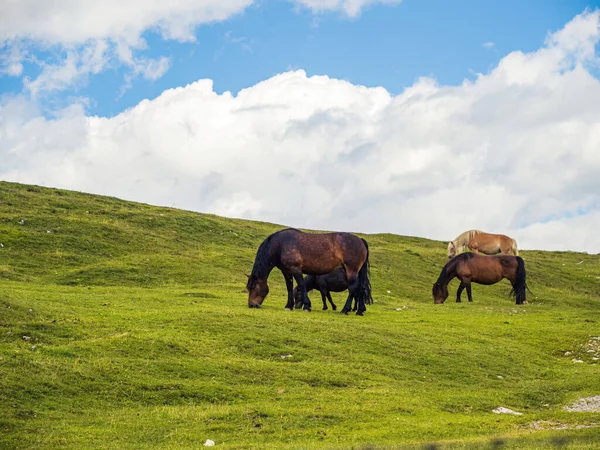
[(257, 291), (451, 250), (440, 293)]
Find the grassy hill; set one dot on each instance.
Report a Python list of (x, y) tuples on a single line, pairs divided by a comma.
[(125, 325)]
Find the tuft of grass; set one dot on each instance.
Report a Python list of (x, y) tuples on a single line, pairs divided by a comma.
[(125, 325)]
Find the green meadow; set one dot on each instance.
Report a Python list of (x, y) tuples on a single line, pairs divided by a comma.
[(125, 325)]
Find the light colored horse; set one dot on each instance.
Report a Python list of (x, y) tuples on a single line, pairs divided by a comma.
[(479, 241)]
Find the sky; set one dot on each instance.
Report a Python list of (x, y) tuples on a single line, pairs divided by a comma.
[(423, 118)]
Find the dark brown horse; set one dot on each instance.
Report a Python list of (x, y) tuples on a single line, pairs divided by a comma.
[(295, 253), (335, 281), (471, 267)]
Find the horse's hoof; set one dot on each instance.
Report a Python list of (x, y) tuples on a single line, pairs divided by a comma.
[(360, 313), (334, 308), (344, 312), (325, 309)]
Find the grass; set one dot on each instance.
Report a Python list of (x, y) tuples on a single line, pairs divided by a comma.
[(125, 325)]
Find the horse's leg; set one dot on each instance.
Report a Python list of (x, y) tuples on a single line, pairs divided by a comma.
[(302, 288), (289, 283), (331, 301), (352, 287), (361, 306), (459, 291), (468, 286), (324, 298)]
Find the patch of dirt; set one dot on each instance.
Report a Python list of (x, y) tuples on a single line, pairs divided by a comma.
[(549, 425), (585, 404)]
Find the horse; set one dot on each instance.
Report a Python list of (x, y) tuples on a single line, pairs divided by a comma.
[(295, 253), (471, 267), (335, 281), (479, 241)]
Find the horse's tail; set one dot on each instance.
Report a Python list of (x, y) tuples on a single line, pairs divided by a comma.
[(520, 285), (364, 284), (514, 248)]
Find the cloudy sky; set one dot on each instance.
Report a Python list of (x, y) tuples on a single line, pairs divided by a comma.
[(422, 118)]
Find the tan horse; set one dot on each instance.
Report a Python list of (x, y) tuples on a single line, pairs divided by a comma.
[(487, 243)]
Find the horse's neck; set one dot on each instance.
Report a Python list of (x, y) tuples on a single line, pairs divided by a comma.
[(447, 275), (263, 270), (263, 264), (462, 242)]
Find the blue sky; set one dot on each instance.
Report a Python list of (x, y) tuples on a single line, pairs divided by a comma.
[(387, 45)]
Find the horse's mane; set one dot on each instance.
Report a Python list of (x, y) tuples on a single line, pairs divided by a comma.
[(262, 262), (462, 240), (444, 277)]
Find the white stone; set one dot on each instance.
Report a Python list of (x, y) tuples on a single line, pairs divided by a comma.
[(503, 410)]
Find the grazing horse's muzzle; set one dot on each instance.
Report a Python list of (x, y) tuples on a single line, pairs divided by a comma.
[(254, 306)]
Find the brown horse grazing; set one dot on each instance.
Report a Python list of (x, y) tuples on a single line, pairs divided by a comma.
[(295, 252), (478, 241), (335, 281), (471, 267)]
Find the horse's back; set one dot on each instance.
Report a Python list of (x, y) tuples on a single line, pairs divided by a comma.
[(342, 244), (490, 268), (351, 244), (490, 243), (318, 253)]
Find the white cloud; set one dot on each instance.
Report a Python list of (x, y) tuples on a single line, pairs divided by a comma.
[(88, 37), (153, 69), (71, 29), (517, 151), (488, 44), (75, 22), (351, 8), (74, 68), (11, 57)]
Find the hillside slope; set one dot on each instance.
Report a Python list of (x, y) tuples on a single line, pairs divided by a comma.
[(125, 325)]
